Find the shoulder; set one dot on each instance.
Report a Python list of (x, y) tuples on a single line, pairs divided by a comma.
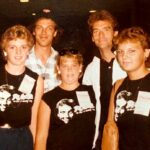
[(52, 92), (31, 73), (54, 52), (95, 60), (94, 63), (118, 83), (50, 96), (85, 88)]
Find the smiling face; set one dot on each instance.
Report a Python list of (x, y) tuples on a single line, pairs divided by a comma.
[(17, 51), (131, 56), (103, 34), (70, 70), (44, 32)]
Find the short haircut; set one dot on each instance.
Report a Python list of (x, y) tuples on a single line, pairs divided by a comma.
[(135, 34), (70, 53), (50, 16), (17, 32), (102, 15)]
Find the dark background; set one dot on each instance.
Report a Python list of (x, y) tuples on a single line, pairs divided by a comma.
[(72, 17)]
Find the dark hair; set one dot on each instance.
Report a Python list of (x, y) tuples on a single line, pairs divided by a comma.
[(102, 15), (45, 15)]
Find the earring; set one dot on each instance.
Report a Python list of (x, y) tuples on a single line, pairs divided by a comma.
[(5, 54), (59, 72)]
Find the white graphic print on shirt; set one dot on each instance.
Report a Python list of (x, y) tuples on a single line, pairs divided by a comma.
[(9, 96), (67, 109), (123, 103)]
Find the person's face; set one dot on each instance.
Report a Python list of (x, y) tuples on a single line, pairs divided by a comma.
[(44, 32), (65, 113), (103, 34), (131, 56), (17, 51), (69, 69)]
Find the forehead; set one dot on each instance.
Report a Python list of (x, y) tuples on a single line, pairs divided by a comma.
[(45, 22), (129, 44), (18, 40), (67, 59), (100, 24)]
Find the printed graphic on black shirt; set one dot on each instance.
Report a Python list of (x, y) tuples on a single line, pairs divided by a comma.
[(124, 103), (66, 109), (10, 96)]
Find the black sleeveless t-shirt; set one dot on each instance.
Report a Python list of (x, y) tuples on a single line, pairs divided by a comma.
[(72, 123), (17, 94), (132, 114)]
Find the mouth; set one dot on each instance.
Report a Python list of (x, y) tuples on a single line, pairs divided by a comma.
[(43, 37), (18, 57), (126, 63)]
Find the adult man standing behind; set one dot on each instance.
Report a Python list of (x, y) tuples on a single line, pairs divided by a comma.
[(104, 70), (42, 58)]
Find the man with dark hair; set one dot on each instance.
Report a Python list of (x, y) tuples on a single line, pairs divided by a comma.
[(104, 70), (42, 58)]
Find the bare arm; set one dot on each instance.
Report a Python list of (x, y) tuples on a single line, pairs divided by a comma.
[(37, 99), (111, 104), (42, 126)]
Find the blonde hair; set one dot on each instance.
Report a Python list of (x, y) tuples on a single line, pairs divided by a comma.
[(70, 53), (15, 32)]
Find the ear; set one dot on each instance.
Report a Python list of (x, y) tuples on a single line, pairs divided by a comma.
[(81, 68), (58, 70), (93, 39), (33, 33), (115, 33), (147, 52), (55, 33)]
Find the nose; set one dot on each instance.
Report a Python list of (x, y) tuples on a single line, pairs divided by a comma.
[(44, 30), (69, 68), (18, 50), (101, 34), (125, 55)]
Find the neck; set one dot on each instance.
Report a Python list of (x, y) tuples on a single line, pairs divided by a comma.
[(69, 87), (107, 54), (42, 53), (14, 70), (138, 74)]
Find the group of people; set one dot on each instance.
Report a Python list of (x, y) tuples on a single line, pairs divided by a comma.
[(43, 104)]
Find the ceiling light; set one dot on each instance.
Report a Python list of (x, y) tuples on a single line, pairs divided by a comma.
[(92, 11), (46, 10), (24, 1), (33, 14)]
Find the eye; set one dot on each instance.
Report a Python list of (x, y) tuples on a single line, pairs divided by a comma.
[(95, 31), (38, 27), (131, 51), (11, 47), (49, 28), (24, 47), (119, 52), (107, 28)]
